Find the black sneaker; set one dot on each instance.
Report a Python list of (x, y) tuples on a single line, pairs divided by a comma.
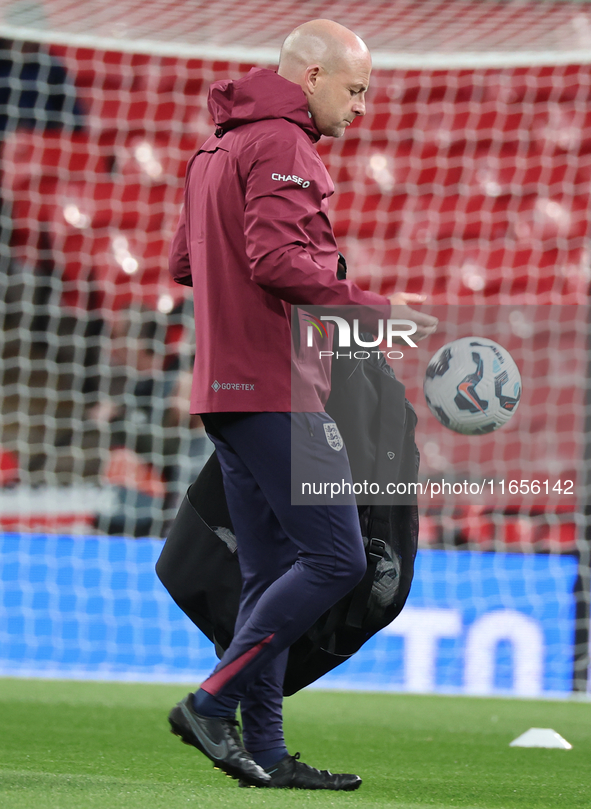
[(290, 773), (218, 738)]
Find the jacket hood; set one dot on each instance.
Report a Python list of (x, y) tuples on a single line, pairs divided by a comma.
[(258, 96)]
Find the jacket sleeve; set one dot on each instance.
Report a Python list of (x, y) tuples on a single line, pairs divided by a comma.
[(285, 192), (178, 256)]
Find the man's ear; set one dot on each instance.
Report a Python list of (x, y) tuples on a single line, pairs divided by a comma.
[(311, 77)]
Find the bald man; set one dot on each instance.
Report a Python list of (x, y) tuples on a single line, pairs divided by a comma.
[(255, 242)]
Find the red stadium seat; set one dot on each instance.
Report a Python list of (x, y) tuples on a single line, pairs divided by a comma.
[(72, 259), (537, 534), (115, 271), (32, 211), (529, 276), (154, 159), (514, 87), (27, 156), (140, 111), (562, 128), (474, 528), (524, 171), (106, 204), (114, 70), (9, 467), (132, 268)]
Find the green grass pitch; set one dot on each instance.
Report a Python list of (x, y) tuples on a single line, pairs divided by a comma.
[(72, 745)]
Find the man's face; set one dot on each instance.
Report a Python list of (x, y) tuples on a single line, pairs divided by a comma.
[(338, 96)]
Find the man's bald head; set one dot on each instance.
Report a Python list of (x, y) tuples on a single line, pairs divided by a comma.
[(332, 65), (323, 42)]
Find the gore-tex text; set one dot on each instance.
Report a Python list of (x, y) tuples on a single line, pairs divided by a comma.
[(231, 386)]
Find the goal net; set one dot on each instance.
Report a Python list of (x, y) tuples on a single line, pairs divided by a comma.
[(468, 181)]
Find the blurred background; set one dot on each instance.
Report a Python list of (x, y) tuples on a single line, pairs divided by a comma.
[(468, 180)]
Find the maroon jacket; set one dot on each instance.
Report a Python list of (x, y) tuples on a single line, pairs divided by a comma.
[(254, 239)]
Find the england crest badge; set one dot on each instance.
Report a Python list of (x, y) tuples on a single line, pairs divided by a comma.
[(333, 436)]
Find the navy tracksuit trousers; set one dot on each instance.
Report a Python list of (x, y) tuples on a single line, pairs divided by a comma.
[(296, 560)]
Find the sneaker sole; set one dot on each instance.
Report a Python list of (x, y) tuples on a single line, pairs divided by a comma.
[(350, 788)]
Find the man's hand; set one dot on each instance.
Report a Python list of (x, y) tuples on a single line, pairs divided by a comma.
[(426, 324)]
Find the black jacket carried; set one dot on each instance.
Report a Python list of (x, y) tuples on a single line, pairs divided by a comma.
[(199, 565)]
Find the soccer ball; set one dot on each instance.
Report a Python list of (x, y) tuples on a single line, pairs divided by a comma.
[(472, 385)]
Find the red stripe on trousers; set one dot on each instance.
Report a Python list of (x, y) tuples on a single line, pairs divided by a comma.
[(218, 680)]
